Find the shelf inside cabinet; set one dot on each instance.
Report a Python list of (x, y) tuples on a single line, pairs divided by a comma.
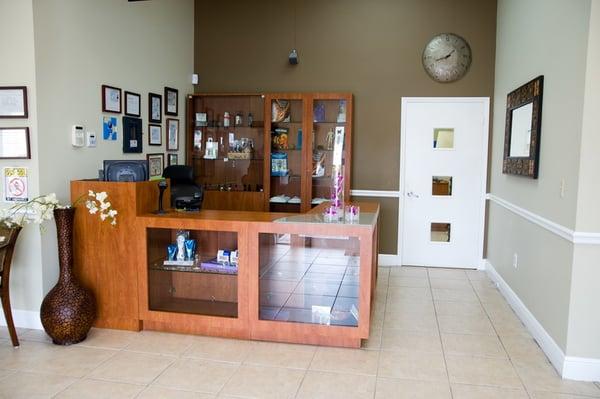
[(159, 266)]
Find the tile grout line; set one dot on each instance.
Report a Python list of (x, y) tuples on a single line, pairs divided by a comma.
[(78, 379), (177, 358), (500, 339), (387, 289), (306, 372), (437, 322)]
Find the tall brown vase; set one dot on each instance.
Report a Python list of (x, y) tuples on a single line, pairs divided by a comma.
[(69, 309)]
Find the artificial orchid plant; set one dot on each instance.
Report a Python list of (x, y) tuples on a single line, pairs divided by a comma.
[(41, 208)]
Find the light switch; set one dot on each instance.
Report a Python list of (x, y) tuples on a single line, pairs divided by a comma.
[(91, 139)]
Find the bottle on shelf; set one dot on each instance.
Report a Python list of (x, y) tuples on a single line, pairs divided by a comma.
[(226, 119)]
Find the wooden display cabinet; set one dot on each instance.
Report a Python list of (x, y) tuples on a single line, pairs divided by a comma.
[(308, 122), (234, 179)]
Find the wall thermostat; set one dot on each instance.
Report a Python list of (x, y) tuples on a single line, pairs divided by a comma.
[(77, 136)]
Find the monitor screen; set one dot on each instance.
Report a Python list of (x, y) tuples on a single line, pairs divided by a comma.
[(126, 170)]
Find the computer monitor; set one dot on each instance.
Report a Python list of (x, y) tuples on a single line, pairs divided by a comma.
[(125, 170)]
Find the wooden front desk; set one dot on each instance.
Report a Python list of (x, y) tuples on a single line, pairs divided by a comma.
[(278, 252)]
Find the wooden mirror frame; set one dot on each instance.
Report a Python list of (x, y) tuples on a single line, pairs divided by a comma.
[(530, 92)]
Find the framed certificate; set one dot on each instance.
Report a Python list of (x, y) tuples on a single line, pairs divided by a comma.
[(13, 102), (111, 99)]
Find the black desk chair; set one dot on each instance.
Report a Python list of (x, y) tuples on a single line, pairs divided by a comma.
[(185, 193)]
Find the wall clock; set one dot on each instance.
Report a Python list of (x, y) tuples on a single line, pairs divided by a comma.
[(447, 57)]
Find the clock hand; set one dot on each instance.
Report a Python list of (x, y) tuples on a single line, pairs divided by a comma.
[(443, 58)]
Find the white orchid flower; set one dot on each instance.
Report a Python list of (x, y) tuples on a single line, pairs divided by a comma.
[(112, 213), (103, 216), (105, 205), (91, 193), (114, 222), (101, 196)]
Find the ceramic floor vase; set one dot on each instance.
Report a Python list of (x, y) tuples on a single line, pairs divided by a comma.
[(69, 309)]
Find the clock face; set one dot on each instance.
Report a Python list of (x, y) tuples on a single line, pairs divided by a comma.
[(447, 57)]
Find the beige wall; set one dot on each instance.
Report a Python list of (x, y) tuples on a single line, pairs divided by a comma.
[(65, 50), (370, 48), (584, 320), (542, 37), (555, 279), (18, 69), (542, 279), (139, 47)]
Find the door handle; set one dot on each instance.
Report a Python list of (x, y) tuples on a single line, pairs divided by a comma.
[(410, 194)]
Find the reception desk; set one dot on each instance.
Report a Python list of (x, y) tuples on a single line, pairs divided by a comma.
[(298, 278)]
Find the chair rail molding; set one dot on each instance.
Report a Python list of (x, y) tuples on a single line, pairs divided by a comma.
[(575, 237), (375, 193)]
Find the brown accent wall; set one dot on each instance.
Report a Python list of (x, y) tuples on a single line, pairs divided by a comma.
[(371, 48)]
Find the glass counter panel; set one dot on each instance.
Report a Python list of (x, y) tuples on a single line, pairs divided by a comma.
[(364, 219), (286, 155), (198, 282), (309, 279)]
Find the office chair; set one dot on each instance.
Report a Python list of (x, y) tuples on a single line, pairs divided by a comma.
[(185, 193)]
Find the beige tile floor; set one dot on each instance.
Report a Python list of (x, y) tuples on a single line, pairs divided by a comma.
[(436, 334)]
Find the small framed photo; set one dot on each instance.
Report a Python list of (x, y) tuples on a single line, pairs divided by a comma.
[(154, 108), (132, 135), (13, 102), (172, 159), (172, 134), (132, 104), (15, 143), (111, 99), (154, 134), (171, 101), (156, 165)]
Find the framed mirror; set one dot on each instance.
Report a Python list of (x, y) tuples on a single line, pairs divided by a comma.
[(523, 128), (14, 143)]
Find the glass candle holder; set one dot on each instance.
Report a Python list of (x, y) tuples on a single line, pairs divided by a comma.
[(352, 213)]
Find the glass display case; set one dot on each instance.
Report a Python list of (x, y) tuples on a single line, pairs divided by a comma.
[(286, 136), (193, 271), (226, 149), (269, 152)]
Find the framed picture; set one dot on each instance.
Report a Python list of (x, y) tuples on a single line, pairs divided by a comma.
[(111, 99), (132, 135), (172, 134), (154, 108), (109, 128), (13, 102), (172, 159), (156, 165), (132, 104), (522, 132), (171, 101), (154, 134), (15, 143)]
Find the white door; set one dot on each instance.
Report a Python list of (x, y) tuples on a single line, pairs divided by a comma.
[(442, 181)]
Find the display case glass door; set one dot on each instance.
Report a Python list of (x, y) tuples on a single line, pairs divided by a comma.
[(330, 142), (227, 150), (287, 137)]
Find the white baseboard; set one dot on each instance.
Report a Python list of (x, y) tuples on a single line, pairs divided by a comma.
[(581, 368), (546, 342), (23, 319), (389, 260), (569, 367)]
